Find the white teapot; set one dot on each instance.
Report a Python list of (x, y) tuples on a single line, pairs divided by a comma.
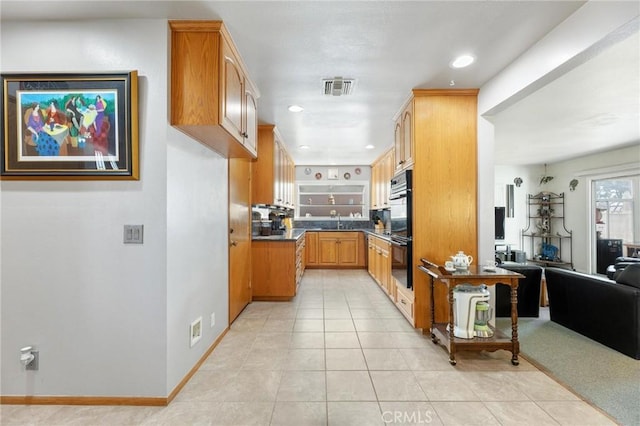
[(461, 260)]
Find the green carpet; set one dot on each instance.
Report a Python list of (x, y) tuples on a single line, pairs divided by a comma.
[(604, 377)]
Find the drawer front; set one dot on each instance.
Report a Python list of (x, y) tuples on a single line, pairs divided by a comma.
[(405, 304)]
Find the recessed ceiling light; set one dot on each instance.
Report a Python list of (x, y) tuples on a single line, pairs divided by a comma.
[(295, 108), (304, 147), (462, 61), (369, 146)]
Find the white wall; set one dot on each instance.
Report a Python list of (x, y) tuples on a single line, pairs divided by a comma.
[(105, 315), (197, 256), (504, 175)]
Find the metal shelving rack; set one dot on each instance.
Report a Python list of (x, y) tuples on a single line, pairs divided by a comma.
[(546, 236)]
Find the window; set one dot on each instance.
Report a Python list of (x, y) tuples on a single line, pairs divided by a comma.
[(616, 202)]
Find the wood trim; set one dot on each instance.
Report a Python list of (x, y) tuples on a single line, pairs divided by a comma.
[(445, 92), (195, 368), (381, 157), (112, 400), (83, 400)]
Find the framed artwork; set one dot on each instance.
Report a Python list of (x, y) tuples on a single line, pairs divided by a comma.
[(70, 126), (332, 174)]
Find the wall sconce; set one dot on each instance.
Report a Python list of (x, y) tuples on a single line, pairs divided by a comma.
[(518, 181), (573, 184)]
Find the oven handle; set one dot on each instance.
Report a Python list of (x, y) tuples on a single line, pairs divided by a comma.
[(398, 244)]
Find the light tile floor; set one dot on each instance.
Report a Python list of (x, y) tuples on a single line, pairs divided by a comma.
[(340, 354)]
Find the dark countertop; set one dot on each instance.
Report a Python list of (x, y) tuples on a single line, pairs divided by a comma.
[(295, 233), (379, 234), (290, 235)]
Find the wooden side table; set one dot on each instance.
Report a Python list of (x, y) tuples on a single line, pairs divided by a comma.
[(474, 276)]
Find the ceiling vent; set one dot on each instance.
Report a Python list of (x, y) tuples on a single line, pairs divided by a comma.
[(338, 86)]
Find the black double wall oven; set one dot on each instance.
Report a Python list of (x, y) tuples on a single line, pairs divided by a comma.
[(400, 198)]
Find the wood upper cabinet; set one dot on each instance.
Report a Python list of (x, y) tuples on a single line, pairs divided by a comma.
[(212, 97), (404, 143), (375, 181), (251, 118), (273, 171), (382, 170)]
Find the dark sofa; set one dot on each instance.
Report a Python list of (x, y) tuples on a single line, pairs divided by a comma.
[(619, 264), (603, 310), (528, 291)]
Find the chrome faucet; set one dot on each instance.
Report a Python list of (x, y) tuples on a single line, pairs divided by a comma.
[(339, 224)]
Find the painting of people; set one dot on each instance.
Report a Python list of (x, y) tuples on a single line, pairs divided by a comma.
[(67, 124)]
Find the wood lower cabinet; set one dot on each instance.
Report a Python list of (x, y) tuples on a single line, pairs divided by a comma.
[(311, 249), (212, 98), (379, 257), (405, 301), (277, 268), (337, 249)]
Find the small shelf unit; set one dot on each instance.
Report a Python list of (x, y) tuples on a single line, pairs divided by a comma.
[(547, 240)]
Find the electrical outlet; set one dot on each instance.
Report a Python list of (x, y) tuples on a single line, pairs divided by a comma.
[(213, 319), (195, 331)]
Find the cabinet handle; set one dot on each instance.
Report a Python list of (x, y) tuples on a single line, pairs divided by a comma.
[(234, 243), (244, 134), (403, 302)]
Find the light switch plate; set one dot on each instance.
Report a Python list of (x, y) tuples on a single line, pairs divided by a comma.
[(133, 234)]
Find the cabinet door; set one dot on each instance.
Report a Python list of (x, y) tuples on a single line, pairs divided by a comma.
[(371, 257), (398, 144), (407, 136), (389, 168), (311, 248), (374, 183), (277, 174), (327, 250), (251, 122), (347, 250), (233, 94), (385, 269)]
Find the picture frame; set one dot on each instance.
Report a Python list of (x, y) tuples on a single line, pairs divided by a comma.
[(69, 126)]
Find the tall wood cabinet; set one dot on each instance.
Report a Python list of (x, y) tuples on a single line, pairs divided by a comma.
[(212, 97), (273, 172), (444, 131)]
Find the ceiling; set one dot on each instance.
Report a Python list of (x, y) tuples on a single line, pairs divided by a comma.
[(390, 47)]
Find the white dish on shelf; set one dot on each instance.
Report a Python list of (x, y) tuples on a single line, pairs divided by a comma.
[(450, 269)]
